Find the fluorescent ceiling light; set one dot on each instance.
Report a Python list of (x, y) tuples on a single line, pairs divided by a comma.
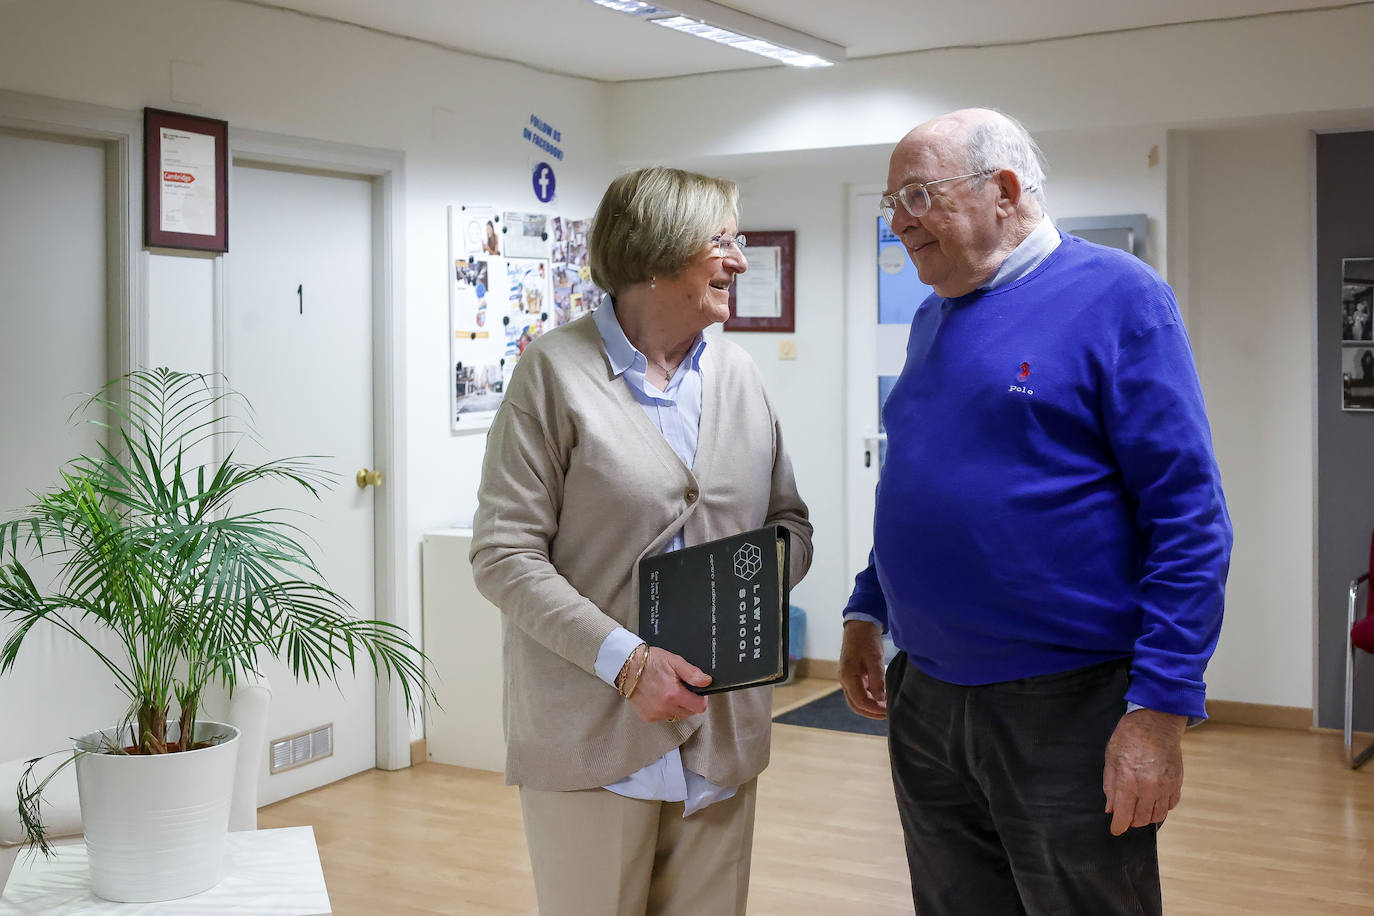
[(633, 7), (727, 26), (742, 42)]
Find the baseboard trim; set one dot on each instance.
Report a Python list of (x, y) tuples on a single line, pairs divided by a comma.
[(417, 752), (1360, 739), (819, 667), (1263, 715), (1230, 712)]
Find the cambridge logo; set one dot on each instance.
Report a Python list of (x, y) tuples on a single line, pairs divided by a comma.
[(748, 562)]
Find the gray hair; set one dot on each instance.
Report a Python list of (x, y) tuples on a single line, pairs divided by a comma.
[(653, 221), (1002, 143)]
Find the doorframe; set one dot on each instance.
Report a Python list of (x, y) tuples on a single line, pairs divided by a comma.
[(386, 170), (861, 413), (121, 135)]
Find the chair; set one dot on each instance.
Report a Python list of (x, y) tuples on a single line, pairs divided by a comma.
[(1361, 637), (62, 811)]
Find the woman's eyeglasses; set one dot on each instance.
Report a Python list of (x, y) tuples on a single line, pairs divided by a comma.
[(722, 243)]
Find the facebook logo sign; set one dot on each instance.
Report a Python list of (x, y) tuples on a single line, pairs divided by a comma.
[(544, 182)]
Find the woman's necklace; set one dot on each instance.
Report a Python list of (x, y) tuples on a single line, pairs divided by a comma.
[(667, 373)]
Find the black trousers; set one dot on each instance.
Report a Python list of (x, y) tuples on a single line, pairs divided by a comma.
[(999, 789)]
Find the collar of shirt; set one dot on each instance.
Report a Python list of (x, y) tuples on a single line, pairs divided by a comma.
[(632, 364), (1027, 256)]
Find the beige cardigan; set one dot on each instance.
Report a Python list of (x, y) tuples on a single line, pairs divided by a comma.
[(577, 486)]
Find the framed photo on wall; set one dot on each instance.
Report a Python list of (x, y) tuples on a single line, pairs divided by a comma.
[(1357, 300), (185, 181), (763, 297), (1357, 334)]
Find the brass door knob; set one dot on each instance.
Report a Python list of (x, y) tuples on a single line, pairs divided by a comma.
[(366, 477)]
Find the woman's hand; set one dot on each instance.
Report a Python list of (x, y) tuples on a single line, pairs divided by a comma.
[(661, 695)]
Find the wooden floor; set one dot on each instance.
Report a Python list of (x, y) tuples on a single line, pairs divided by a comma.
[(1271, 823)]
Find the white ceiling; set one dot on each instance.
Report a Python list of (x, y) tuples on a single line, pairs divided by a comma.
[(575, 37)]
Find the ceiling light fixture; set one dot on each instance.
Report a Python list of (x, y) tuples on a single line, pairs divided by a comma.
[(730, 27)]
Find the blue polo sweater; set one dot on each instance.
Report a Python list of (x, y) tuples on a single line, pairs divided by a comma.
[(1050, 497)]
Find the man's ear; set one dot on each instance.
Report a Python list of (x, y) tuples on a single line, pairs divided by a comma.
[(1008, 191)]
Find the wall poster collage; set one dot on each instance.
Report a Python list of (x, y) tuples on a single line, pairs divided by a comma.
[(512, 277), (1357, 334)]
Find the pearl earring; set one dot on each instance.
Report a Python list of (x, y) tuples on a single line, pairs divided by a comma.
[(653, 283)]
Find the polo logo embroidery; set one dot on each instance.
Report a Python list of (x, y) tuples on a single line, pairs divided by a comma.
[(1022, 373)]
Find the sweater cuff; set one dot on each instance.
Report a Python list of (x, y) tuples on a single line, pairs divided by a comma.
[(1170, 698), (860, 615), (1192, 720), (615, 649)]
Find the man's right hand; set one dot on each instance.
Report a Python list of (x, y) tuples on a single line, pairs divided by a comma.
[(861, 668)]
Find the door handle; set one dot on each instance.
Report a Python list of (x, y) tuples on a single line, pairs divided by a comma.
[(367, 478), (871, 442)]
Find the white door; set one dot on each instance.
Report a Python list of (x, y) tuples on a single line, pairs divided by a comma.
[(53, 332), (881, 299), (298, 344)]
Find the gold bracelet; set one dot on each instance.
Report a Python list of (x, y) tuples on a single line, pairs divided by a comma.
[(624, 673), (643, 663)]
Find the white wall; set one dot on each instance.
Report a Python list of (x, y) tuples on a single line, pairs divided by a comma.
[(1252, 321), (274, 71), (1095, 172)]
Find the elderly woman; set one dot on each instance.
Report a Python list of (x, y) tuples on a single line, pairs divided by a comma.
[(624, 434)]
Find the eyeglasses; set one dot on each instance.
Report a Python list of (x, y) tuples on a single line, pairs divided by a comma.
[(915, 198), (722, 243)]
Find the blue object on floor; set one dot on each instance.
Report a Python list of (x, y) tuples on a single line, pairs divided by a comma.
[(796, 633)]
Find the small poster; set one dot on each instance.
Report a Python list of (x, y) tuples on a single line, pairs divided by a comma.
[(471, 281), (527, 298), (478, 305), (477, 344), (477, 229), (574, 293), (524, 235)]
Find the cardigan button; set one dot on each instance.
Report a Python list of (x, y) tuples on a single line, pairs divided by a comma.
[(691, 495)]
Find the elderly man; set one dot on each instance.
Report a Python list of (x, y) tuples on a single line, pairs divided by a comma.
[(1050, 545)]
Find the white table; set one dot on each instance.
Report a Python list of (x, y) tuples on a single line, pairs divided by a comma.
[(267, 872)]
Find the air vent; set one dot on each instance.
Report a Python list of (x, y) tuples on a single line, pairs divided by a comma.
[(299, 749)]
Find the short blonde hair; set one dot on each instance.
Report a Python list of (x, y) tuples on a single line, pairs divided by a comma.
[(653, 221)]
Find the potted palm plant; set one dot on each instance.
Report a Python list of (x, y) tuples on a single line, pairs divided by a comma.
[(148, 545)]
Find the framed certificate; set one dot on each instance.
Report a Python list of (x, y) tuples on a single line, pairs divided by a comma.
[(762, 298), (185, 181)]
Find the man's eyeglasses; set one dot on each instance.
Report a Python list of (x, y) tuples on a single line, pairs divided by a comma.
[(915, 198), (722, 243)]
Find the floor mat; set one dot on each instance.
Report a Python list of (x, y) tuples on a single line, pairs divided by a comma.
[(832, 712)]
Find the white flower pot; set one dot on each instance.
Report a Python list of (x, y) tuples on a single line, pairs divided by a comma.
[(156, 825)]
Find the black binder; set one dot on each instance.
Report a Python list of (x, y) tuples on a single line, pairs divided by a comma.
[(723, 606)]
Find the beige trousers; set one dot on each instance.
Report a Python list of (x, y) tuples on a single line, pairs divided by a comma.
[(595, 853)]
